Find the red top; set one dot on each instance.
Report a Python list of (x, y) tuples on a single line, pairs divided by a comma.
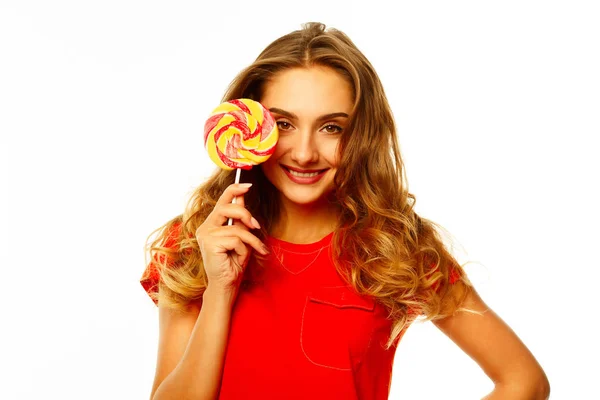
[(303, 333)]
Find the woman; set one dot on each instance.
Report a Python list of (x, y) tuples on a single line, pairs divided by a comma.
[(308, 293)]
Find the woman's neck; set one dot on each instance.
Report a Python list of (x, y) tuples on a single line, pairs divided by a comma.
[(305, 223)]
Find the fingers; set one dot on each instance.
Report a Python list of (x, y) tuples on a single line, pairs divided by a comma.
[(225, 209), (243, 235), (226, 248), (237, 222), (240, 200), (235, 244), (221, 214), (233, 190)]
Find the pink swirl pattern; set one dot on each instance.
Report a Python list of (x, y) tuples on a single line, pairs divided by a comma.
[(240, 133)]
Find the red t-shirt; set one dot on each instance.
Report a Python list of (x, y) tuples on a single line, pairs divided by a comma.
[(301, 332)]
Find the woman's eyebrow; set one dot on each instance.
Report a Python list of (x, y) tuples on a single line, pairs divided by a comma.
[(293, 116)]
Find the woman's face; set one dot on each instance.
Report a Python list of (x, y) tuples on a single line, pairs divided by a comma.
[(311, 107)]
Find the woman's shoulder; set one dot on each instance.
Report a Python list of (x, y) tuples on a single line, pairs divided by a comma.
[(168, 239)]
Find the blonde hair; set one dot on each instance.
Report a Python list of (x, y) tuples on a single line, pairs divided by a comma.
[(390, 253)]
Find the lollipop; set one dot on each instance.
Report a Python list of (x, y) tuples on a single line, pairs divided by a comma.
[(238, 134)]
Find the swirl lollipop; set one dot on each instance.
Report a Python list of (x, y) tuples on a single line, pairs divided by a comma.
[(238, 134)]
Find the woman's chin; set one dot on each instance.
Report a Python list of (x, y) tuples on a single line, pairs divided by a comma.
[(305, 198)]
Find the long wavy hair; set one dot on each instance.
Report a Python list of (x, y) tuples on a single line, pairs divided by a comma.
[(390, 253)]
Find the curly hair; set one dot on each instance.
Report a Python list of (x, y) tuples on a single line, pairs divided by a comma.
[(390, 253)]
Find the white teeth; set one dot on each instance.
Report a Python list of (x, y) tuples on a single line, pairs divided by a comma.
[(302, 174)]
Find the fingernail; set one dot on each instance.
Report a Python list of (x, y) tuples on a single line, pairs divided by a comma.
[(255, 223), (265, 250), (245, 185)]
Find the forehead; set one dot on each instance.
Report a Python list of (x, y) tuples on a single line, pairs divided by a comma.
[(308, 91)]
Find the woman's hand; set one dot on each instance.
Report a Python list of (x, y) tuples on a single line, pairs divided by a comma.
[(226, 249)]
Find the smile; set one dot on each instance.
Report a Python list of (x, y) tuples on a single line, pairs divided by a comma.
[(304, 177), (304, 174)]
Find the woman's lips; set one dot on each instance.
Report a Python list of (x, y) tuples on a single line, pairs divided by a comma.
[(304, 180)]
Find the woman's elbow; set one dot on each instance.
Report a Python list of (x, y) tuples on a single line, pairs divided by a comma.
[(525, 387), (543, 388), (537, 388), (541, 385)]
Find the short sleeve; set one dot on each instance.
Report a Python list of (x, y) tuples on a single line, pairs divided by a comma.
[(151, 276), (453, 277)]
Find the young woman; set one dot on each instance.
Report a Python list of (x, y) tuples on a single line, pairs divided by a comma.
[(327, 264)]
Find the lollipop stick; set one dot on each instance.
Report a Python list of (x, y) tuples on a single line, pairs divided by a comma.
[(238, 172)]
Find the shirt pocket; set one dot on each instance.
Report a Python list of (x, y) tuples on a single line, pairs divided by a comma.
[(337, 327)]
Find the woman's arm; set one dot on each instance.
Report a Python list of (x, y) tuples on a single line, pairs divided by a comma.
[(192, 348), (494, 346)]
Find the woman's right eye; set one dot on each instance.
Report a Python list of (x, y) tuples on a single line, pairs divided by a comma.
[(282, 122)]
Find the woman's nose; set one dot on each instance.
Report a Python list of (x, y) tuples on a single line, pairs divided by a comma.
[(304, 149)]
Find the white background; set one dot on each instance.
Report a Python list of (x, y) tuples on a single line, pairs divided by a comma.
[(102, 106)]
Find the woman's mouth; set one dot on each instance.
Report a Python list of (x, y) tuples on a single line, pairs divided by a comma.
[(304, 177)]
